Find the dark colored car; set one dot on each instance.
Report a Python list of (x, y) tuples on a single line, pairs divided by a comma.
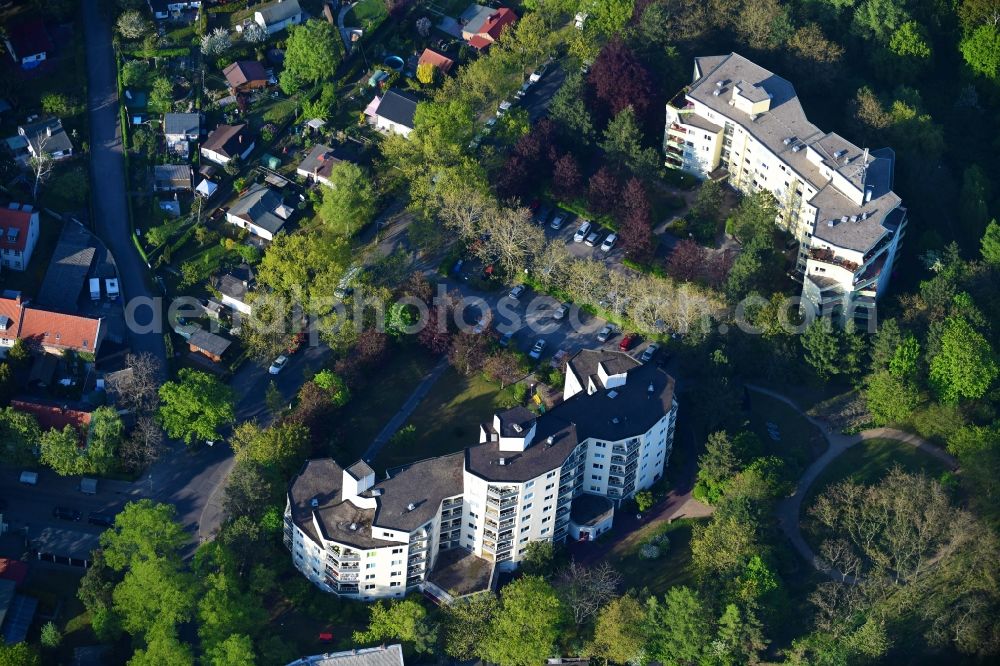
[(627, 342), (100, 520), (65, 513)]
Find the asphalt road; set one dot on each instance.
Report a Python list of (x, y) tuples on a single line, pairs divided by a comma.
[(108, 173), (536, 100)]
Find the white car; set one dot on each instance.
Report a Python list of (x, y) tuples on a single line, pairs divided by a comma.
[(278, 365), (581, 233), (609, 242), (561, 311)]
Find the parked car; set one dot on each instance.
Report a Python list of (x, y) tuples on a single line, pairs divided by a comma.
[(649, 353), (609, 242), (627, 342), (457, 268), (542, 214), (558, 220), (561, 311), (278, 365), (592, 239), (65, 513), (481, 325), (100, 519), (536, 351), (582, 232), (537, 75), (518, 291), (606, 333), (505, 339)]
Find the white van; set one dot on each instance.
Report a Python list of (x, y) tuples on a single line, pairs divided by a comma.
[(29, 478)]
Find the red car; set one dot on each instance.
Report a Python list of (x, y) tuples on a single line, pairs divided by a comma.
[(628, 341)]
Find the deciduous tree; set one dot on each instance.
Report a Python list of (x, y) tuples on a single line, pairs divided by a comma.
[(312, 53), (349, 203), (525, 630), (195, 406), (405, 621), (966, 365)]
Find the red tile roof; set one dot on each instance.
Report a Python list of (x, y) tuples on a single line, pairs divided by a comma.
[(443, 63), (14, 570), (478, 42), (244, 71), (54, 416), (55, 329), (497, 22), (18, 219)]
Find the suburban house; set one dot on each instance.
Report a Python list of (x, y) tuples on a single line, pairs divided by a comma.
[(261, 211), (441, 62), (739, 121), (317, 164), (47, 136), (384, 655), (228, 142), (55, 416), (234, 287), (245, 75), (163, 9), (531, 477), (179, 129), (51, 331), (18, 234), (207, 344), (393, 112), (171, 178), (28, 42), (481, 26), (278, 15)]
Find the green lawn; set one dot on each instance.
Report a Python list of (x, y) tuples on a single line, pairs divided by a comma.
[(800, 441), (367, 14), (375, 404), (447, 420), (868, 461), (672, 568)]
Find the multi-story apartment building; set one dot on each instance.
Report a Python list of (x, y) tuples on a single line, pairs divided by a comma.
[(530, 478), (741, 121)]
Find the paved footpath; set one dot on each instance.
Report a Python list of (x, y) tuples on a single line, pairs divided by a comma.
[(397, 421), (790, 508)]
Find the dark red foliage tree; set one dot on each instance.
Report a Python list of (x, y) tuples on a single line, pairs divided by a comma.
[(372, 347), (718, 266), (312, 410), (514, 179), (603, 191), (636, 221), (687, 261), (567, 182), (619, 79), (417, 286), (435, 336)]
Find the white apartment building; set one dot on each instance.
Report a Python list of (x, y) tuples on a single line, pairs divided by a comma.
[(741, 121), (530, 478)]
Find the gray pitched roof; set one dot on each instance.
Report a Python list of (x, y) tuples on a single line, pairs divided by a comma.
[(786, 120), (385, 655), (398, 108), (236, 283), (279, 11), (182, 123), (320, 161), (628, 410), (210, 342), (258, 206), (175, 174), (49, 131)]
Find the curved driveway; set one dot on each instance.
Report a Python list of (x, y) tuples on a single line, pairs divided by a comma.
[(107, 165), (788, 509)]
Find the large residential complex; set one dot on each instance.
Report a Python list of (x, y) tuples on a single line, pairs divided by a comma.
[(530, 478), (738, 120)]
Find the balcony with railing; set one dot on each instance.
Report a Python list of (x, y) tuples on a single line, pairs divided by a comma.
[(501, 492), (828, 257), (349, 588)]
